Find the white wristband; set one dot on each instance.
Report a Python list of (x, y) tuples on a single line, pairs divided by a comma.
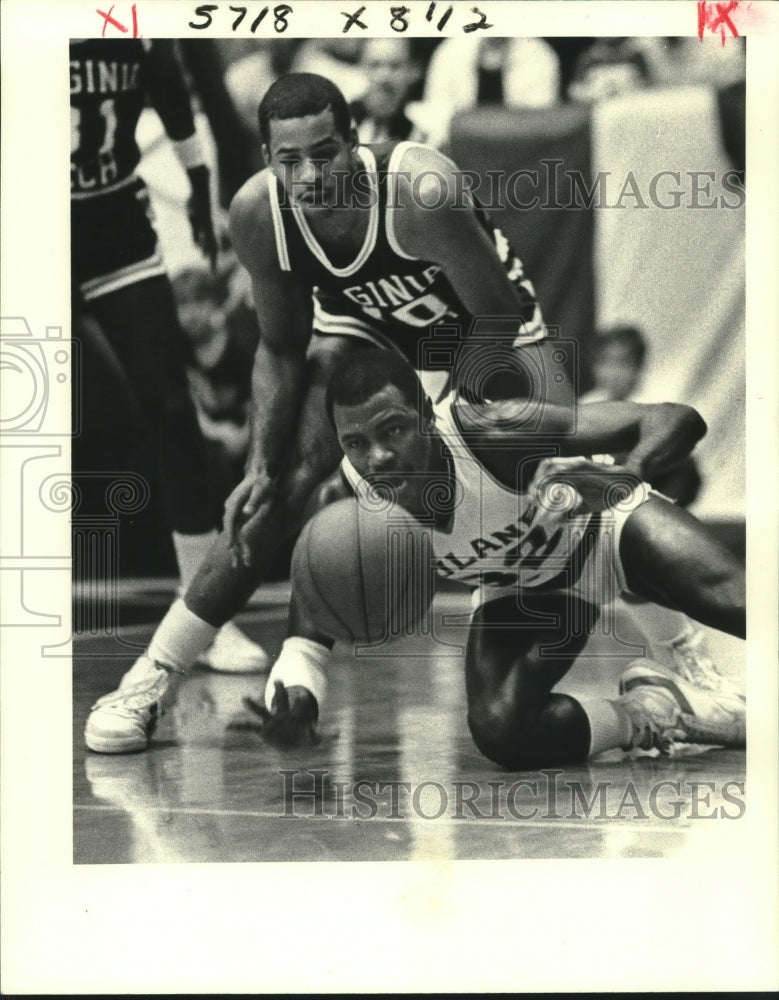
[(190, 152), (301, 663)]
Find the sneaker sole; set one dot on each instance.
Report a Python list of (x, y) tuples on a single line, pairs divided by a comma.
[(250, 669), (113, 744)]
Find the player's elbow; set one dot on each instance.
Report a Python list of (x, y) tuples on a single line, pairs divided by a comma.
[(698, 426), (687, 420), (274, 351)]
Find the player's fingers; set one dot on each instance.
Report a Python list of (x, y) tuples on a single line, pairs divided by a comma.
[(228, 519), (557, 468), (243, 547), (255, 498), (543, 467), (256, 707), (233, 505), (231, 526), (280, 697), (240, 555)]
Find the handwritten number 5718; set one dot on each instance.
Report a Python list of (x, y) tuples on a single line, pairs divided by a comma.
[(280, 14)]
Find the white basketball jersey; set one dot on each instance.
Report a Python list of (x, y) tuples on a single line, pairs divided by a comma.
[(499, 538)]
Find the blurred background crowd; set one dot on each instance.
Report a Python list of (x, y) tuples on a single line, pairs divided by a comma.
[(653, 298)]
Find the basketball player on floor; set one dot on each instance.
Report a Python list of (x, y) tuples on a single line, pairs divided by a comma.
[(389, 244), (500, 531), (120, 281)]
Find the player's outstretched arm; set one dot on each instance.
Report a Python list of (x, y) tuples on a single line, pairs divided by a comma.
[(283, 311), (434, 220), (170, 98), (652, 436)]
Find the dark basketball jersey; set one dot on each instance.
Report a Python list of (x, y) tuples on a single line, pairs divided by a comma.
[(107, 96), (384, 294)]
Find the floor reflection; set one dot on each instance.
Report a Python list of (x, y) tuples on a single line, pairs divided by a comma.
[(395, 777)]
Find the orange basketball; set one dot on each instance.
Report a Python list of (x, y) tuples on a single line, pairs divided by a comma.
[(365, 575)]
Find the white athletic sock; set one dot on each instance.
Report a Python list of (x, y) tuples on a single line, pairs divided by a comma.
[(180, 637), (610, 727), (301, 663), (191, 550)]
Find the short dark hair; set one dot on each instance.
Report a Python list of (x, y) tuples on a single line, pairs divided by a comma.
[(629, 337), (363, 373), (296, 95)]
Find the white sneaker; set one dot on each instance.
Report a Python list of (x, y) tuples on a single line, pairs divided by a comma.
[(693, 662), (232, 652), (664, 708), (124, 720)]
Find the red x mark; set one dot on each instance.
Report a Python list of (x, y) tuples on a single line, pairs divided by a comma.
[(716, 16), (107, 19)]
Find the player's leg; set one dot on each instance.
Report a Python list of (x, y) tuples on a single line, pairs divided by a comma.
[(219, 587), (141, 322), (519, 722), (125, 719), (106, 409), (511, 666), (142, 325), (669, 557), (119, 271)]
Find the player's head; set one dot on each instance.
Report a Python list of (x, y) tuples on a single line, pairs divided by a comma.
[(618, 359), (299, 95), (391, 70), (307, 135), (384, 421)]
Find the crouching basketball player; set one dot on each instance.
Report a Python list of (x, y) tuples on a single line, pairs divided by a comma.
[(348, 247), (526, 556)]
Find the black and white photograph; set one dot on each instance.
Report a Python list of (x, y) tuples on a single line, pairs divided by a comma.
[(389, 497)]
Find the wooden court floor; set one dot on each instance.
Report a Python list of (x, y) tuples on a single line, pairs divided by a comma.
[(395, 776)]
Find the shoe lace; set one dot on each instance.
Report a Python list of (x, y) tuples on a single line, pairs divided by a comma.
[(143, 694), (697, 666), (648, 729)]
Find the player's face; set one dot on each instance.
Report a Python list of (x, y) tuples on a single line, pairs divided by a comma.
[(386, 442), (310, 157), (390, 73)]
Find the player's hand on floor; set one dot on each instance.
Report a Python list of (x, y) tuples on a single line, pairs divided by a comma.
[(292, 720), (240, 508), (599, 486)]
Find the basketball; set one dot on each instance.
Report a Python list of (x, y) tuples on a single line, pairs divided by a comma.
[(364, 575)]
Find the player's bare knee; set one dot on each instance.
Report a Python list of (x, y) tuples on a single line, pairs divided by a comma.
[(727, 590), (496, 730), (543, 733)]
